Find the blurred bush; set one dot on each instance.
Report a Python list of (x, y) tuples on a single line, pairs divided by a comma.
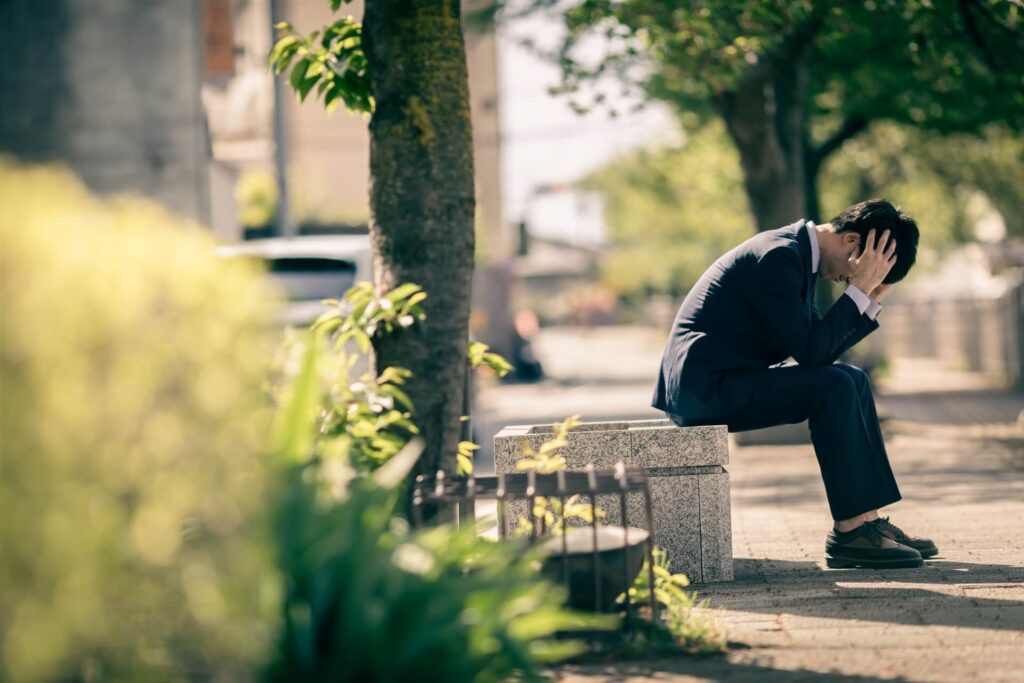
[(256, 196), (134, 419), (367, 598)]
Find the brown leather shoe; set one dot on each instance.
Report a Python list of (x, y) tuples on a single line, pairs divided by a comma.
[(922, 545), (866, 546)]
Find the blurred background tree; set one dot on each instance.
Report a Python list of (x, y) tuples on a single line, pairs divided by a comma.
[(672, 211), (793, 81), (134, 421)]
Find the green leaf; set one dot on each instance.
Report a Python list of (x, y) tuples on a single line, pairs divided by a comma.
[(294, 429), (279, 48), (475, 352), (413, 300), (463, 465), (332, 100), (497, 363), (298, 73), (362, 340), (315, 69), (402, 291)]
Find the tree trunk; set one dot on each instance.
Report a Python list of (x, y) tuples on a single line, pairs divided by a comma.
[(766, 117), (422, 203)]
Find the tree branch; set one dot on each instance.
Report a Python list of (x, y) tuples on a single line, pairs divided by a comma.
[(996, 21), (852, 126), (975, 35)]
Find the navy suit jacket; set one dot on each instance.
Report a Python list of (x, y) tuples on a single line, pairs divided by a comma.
[(752, 308)]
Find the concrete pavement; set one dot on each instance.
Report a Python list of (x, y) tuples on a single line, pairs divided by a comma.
[(958, 452)]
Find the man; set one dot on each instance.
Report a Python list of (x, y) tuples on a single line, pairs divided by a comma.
[(751, 310)]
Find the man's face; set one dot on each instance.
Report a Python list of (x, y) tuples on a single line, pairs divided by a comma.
[(836, 266)]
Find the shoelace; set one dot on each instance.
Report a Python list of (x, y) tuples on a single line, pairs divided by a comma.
[(883, 522), (875, 534)]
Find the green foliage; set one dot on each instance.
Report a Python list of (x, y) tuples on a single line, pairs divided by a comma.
[(830, 69), (366, 418), (362, 314), (479, 355), (693, 631), (331, 60), (670, 213), (256, 197), (464, 459), (940, 64), (369, 599), (886, 161), (132, 470), (931, 177)]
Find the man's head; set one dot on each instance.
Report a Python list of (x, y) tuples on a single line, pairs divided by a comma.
[(850, 237)]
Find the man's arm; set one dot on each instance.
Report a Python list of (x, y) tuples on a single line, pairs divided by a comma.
[(810, 340), (865, 304), (867, 325)]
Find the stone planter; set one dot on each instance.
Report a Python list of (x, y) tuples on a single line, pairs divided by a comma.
[(689, 485)]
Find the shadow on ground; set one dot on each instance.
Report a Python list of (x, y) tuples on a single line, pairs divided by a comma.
[(706, 669), (943, 593)]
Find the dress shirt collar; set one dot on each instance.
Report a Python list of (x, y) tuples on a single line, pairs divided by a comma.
[(812, 233)]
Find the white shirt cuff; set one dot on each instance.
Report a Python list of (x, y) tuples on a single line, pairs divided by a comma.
[(873, 309), (862, 300)]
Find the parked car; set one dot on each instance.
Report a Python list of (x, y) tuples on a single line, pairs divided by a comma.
[(309, 269)]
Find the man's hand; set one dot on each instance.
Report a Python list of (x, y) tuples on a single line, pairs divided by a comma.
[(880, 291), (874, 264)]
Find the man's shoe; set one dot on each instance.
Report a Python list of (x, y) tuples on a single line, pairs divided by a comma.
[(866, 546), (921, 545)]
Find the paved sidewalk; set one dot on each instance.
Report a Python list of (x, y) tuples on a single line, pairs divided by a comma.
[(958, 452), (960, 617)]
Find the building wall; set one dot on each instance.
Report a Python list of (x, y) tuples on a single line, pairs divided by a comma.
[(112, 87), (329, 155)]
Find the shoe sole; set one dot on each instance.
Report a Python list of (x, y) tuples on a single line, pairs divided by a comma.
[(851, 563), (931, 552)]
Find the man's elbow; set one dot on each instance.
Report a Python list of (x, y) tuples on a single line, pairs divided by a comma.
[(812, 359)]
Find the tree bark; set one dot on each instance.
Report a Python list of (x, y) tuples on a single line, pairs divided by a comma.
[(815, 157), (766, 117), (422, 203)]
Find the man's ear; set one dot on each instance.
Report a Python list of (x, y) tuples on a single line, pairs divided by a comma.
[(851, 238)]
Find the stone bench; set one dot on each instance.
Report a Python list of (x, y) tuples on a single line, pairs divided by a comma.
[(688, 481)]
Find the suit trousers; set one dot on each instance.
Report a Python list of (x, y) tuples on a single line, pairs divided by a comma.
[(839, 406)]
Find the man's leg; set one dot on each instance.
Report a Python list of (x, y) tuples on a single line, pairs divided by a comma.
[(837, 402), (924, 546)]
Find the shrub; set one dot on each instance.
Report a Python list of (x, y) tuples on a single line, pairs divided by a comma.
[(366, 598), (133, 420)]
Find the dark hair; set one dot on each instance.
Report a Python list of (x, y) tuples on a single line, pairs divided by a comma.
[(880, 214)]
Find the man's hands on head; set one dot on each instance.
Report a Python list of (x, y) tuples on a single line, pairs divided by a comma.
[(874, 263)]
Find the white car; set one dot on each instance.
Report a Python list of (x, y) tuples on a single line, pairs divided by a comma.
[(309, 269)]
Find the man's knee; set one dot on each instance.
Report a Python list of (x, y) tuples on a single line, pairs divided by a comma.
[(859, 376), (839, 380)]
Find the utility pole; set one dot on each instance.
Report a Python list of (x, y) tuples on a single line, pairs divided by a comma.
[(285, 227)]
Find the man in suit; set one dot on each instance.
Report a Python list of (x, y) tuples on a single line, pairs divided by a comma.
[(753, 309)]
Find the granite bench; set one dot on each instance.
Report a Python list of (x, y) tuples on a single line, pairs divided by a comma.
[(688, 481)]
